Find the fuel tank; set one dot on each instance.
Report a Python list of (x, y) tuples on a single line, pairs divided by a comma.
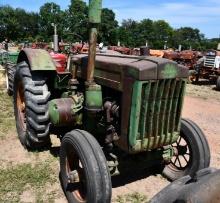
[(60, 61)]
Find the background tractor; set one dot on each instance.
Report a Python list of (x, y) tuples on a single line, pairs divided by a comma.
[(8, 60), (208, 67), (110, 112), (10, 64)]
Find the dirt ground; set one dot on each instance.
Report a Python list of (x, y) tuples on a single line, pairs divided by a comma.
[(201, 105)]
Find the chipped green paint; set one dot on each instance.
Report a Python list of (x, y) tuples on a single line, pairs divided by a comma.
[(170, 71), (135, 112), (132, 72), (147, 144), (13, 56), (93, 96), (155, 113), (38, 59)]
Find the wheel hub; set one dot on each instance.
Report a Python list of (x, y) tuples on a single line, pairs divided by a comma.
[(73, 177), (181, 150)]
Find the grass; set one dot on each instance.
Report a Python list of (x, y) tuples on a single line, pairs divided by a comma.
[(131, 198), (7, 122), (34, 180), (17, 179)]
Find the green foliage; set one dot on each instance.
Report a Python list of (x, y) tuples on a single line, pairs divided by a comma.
[(187, 37), (6, 115), (76, 21), (128, 33), (158, 34), (16, 24), (131, 198), (145, 33), (16, 179), (162, 34), (72, 26), (108, 28), (50, 13)]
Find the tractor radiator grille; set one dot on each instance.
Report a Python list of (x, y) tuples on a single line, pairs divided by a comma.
[(210, 61), (156, 113)]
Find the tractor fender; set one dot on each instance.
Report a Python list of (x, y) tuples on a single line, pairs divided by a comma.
[(37, 59)]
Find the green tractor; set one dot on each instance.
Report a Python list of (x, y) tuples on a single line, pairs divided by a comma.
[(110, 112), (8, 60)]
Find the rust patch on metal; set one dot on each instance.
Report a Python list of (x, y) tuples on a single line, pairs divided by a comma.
[(21, 106), (92, 54), (37, 59)]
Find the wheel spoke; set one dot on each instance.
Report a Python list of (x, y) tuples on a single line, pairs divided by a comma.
[(185, 159), (191, 146), (179, 162), (178, 142), (71, 187), (175, 160)]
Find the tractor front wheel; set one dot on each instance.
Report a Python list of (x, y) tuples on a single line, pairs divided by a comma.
[(31, 98), (84, 173), (191, 152)]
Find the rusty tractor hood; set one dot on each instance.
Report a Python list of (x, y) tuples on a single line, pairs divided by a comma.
[(139, 68)]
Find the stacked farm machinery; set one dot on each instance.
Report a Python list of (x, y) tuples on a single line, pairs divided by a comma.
[(110, 112)]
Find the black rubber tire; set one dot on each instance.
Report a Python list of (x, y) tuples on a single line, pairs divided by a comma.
[(81, 144), (198, 147), (10, 73), (218, 83), (35, 134)]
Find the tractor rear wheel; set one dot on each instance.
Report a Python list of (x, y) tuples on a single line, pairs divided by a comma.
[(84, 173), (31, 109), (10, 72), (218, 84), (191, 152)]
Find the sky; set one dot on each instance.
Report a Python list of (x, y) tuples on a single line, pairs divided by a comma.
[(202, 14)]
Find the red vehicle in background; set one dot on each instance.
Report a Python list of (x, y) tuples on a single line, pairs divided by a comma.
[(60, 61)]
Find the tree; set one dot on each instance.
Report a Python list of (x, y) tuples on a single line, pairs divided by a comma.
[(50, 13), (136, 34), (76, 21), (28, 24), (187, 37), (145, 33), (20, 25), (128, 33), (162, 34), (108, 27), (17, 24)]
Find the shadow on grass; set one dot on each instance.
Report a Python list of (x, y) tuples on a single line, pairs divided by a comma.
[(55, 151), (128, 176)]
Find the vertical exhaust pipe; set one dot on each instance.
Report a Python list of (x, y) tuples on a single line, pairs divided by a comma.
[(93, 93), (95, 9)]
